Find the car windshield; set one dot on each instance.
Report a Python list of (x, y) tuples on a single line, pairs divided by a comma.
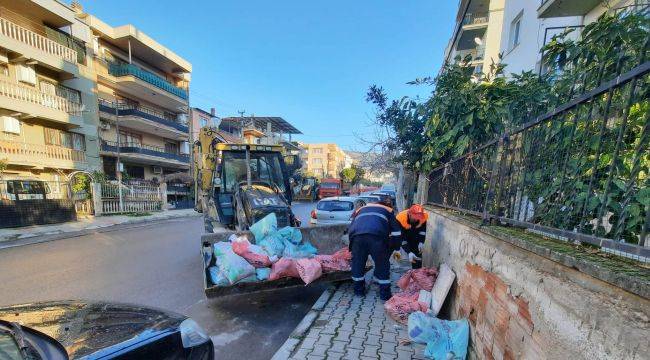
[(329, 185), (335, 205), (264, 167)]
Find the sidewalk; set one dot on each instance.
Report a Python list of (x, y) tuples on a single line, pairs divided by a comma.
[(38, 233), (342, 326)]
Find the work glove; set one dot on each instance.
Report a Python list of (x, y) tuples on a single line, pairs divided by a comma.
[(413, 258), (396, 255), (420, 247)]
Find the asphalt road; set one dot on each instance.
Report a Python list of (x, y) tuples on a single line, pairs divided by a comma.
[(156, 264), (302, 210)]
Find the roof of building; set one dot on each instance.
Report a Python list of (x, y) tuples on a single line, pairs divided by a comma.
[(278, 124), (228, 137)]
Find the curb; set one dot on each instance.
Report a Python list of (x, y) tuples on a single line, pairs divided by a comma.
[(284, 352), (53, 236)]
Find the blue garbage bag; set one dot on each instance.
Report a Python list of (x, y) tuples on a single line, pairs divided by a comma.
[(272, 244), (217, 277), (263, 273), (262, 228), (291, 234), (305, 250), (445, 339)]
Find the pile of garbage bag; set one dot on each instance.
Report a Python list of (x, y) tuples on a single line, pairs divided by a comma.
[(277, 253), (407, 301)]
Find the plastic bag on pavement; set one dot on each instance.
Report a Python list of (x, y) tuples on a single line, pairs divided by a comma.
[(332, 263), (265, 226), (291, 234), (263, 273), (445, 339), (284, 267), (273, 245), (418, 279), (402, 304), (254, 254), (309, 270), (305, 250), (217, 277), (232, 266)]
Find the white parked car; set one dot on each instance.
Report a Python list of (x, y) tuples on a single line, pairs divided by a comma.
[(335, 210)]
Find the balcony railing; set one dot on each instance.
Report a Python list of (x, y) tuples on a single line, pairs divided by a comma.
[(37, 41), (26, 93), (38, 153), (143, 112), (136, 148), (118, 70), (475, 19)]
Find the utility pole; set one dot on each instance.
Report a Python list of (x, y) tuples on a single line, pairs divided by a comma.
[(118, 171)]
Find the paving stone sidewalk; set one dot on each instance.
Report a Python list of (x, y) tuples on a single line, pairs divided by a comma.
[(352, 327)]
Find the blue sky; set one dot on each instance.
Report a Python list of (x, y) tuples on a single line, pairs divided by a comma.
[(307, 61)]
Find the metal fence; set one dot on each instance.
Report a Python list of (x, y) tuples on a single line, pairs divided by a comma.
[(579, 172), (122, 198)]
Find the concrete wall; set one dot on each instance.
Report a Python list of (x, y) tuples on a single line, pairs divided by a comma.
[(524, 306)]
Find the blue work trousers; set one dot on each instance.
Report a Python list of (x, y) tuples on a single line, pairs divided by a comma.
[(375, 246)]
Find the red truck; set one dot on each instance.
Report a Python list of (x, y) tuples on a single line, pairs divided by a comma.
[(329, 187)]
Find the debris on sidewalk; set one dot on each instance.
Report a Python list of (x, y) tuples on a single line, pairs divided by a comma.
[(441, 288), (445, 339), (409, 300)]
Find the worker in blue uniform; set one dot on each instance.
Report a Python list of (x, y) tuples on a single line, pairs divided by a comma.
[(374, 231)]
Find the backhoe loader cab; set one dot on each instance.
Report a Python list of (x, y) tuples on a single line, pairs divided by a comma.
[(239, 184)]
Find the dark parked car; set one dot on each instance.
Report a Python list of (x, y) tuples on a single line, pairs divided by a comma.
[(87, 330)]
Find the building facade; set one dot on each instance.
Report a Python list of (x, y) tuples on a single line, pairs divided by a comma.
[(324, 160), (142, 90), (514, 32), (48, 128)]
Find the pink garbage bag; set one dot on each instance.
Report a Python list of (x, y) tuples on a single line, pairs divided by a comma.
[(331, 263), (309, 270), (252, 253), (284, 267), (343, 254), (402, 304), (418, 279)]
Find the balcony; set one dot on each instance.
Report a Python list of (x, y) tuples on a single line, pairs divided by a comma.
[(41, 155), (146, 119), (31, 45), (147, 86), (560, 8), (32, 102), (146, 154), (475, 20)]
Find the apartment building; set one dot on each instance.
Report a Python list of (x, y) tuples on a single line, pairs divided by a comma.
[(324, 160), (200, 118), (142, 90), (48, 128), (514, 32)]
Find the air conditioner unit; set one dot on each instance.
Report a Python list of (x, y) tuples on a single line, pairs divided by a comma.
[(182, 118), (157, 170), (185, 147), (26, 74), (10, 124), (105, 126)]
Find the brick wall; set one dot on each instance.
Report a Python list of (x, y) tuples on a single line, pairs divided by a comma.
[(501, 324), (522, 305)]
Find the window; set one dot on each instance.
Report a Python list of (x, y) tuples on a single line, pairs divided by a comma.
[(171, 148), (335, 205), (515, 28), (204, 122), (317, 151), (79, 142), (317, 161), (65, 139), (130, 139)]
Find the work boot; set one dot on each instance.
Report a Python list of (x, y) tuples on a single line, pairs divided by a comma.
[(384, 292), (360, 288)]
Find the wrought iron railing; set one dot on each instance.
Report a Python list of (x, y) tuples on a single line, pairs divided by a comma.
[(580, 172), (143, 112), (123, 69), (475, 18)]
